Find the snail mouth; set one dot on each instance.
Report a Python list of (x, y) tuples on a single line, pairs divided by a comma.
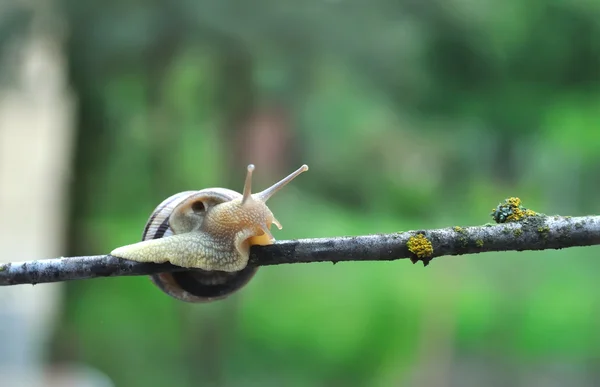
[(266, 238), (263, 239)]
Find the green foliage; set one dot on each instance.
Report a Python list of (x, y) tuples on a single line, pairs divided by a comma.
[(410, 115)]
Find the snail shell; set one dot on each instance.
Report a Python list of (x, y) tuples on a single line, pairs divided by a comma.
[(209, 232), (194, 285)]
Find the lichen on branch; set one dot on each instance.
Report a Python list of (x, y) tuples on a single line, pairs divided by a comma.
[(511, 211), (517, 229), (421, 247)]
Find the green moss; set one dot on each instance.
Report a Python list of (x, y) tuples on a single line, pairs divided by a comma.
[(479, 242), (420, 246)]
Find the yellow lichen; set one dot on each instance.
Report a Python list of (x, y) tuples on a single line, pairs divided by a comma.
[(420, 246), (514, 202), (511, 211), (479, 242), (518, 212)]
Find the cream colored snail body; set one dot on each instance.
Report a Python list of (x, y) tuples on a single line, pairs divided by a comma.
[(209, 231)]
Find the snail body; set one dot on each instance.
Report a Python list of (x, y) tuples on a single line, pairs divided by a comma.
[(209, 231)]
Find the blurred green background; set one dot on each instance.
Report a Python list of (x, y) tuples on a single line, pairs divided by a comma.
[(410, 114)]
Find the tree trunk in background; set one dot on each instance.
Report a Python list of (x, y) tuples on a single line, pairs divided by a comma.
[(236, 100), (35, 151), (163, 135), (435, 351), (251, 135), (207, 350), (90, 144)]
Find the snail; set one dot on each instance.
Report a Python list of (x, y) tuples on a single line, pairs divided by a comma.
[(209, 231)]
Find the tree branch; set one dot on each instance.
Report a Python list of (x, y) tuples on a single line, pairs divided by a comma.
[(537, 232)]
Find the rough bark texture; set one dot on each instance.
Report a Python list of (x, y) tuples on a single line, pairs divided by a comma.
[(533, 233)]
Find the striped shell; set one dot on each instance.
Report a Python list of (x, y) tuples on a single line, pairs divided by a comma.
[(194, 285)]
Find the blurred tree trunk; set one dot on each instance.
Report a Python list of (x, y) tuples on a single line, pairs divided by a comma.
[(35, 154), (252, 133), (206, 349), (163, 135), (435, 354), (236, 101), (91, 146)]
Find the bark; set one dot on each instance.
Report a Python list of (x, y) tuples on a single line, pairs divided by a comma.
[(538, 232)]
